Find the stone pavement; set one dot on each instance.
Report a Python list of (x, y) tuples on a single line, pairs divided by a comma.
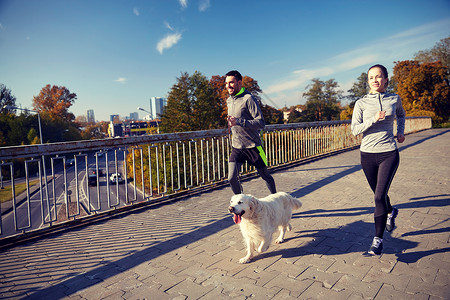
[(190, 249)]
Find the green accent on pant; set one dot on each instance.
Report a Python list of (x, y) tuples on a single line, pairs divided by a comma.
[(262, 154)]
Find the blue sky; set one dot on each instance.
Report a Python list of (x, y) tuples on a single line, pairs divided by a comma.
[(115, 55)]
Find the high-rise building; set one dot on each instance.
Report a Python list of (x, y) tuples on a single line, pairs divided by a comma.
[(113, 117), (134, 116), (90, 118), (157, 106)]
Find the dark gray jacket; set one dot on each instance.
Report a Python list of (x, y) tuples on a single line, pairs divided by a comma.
[(378, 136), (249, 120)]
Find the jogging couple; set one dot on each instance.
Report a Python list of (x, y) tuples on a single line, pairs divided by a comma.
[(373, 116)]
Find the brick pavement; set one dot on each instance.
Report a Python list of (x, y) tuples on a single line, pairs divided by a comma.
[(190, 249)]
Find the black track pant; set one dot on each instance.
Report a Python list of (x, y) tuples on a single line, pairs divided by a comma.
[(380, 169), (233, 178)]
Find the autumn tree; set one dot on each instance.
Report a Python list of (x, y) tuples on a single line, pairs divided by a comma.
[(6, 98), (424, 88), (271, 114), (56, 101), (191, 105), (220, 92), (104, 127), (92, 132), (322, 102), (296, 113), (440, 52)]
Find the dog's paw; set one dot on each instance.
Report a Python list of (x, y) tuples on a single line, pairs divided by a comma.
[(244, 260), (279, 241)]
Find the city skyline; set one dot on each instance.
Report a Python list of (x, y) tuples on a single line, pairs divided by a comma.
[(116, 56)]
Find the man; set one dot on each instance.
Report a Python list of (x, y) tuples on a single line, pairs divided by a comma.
[(246, 121)]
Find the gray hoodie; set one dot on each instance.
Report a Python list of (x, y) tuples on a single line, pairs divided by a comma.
[(378, 136), (249, 120)]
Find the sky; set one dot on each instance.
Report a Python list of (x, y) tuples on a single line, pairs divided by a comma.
[(116, 55)]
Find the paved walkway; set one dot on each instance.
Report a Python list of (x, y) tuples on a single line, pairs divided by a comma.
[(190, 249)]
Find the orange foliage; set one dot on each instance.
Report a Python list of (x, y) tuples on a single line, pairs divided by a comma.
[(423, 87), (55, 100)]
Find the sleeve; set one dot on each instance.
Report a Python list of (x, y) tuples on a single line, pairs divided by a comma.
[(400, 112), (359, 125), (257, 120)]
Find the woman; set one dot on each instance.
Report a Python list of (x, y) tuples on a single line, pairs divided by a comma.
[(373, 116)]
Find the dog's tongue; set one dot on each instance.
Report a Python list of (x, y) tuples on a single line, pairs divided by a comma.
[(237, 218)]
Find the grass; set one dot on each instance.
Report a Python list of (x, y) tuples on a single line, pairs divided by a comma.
[(443, 125), (5, 193)]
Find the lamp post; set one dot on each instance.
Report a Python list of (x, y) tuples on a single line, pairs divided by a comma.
[(140, 108), (10, 107)]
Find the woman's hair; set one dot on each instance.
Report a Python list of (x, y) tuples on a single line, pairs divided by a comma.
[(382, 68)]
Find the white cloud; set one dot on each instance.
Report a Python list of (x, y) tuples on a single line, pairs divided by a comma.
[(121, 80), (183, 3), (349, 62), (384, 51), (297, 79), (136, 11), (168, 26), (168, 42), (203, 5), (1, 26)]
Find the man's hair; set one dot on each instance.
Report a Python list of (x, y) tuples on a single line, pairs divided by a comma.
[(382, 68), (235, 74)]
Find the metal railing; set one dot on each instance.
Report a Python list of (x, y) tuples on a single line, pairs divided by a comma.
[(71, 186)]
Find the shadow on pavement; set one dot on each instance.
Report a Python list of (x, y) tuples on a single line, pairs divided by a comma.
[(401, 147), (353, 237), (413, 257)]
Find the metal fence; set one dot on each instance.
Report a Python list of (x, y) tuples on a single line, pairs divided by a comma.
[(77, 182)]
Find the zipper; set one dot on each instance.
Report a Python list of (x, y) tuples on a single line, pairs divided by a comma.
[(379, 101)]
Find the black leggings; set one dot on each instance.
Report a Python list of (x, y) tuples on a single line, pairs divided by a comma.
[(233, 178), (380, 169)]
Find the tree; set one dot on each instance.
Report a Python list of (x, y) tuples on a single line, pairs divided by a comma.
[(191, 105), (440, 52), (220, 92), (296, 113), (322, 101), (206, 107), (424, 88), (6, 98), (56, 100), (271, 114), (92, 132), (359, 89), (17, 128)]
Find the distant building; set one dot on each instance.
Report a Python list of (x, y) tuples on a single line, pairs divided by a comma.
[(287, 113), (90, 118), (134, 116), (115, 130), (157, 105), (113, 117)]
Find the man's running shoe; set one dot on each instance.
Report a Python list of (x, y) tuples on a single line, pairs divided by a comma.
[(390, 222), (377, 246)]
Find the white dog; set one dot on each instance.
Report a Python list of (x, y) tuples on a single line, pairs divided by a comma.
[(259, 218)]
